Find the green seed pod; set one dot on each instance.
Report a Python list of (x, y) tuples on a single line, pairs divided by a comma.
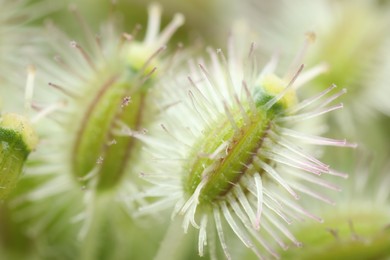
[(110, 85), (246, 138), (238, 156), (107, 82), (18, 139)]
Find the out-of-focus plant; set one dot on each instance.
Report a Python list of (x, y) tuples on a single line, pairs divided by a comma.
[(359, 225), (104, 83), (353, 41)]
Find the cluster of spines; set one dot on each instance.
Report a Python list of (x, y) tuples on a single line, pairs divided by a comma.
[(112, 92), (103, 85), (248, 188)]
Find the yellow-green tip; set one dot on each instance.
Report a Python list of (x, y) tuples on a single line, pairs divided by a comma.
[(22, 125), (273, 85), (138, 55)]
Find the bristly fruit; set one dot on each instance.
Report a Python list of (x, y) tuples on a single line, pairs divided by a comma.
[(231, 151), (84, 166), (105, 83), (108, 85)]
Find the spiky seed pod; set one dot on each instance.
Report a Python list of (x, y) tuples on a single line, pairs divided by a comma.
[(107, 85), (231, 152)]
